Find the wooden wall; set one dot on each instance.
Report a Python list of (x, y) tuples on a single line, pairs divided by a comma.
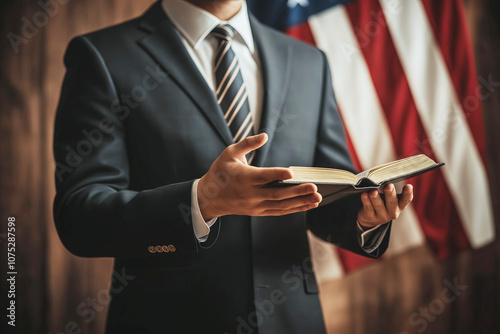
[(52, 284)]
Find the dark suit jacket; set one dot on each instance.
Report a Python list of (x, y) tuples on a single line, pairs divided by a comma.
[(136, 124)]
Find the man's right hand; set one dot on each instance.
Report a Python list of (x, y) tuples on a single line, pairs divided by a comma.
[(232, 187)]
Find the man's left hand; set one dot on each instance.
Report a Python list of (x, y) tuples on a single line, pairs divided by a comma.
[(377, 211)]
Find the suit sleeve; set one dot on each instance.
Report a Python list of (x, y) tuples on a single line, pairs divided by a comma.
[(95, 211), (336, 222)]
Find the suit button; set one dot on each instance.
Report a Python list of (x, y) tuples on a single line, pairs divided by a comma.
[(171, 248), (151, 249), (158, 249), (165, 249)]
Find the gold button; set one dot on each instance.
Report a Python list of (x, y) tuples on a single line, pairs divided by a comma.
[(151, 249), (158, 249), (165, 249), (171, 248)]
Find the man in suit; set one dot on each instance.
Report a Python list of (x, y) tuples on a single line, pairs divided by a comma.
[(157, 167)]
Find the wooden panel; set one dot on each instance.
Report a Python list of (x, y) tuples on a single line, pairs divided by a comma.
[(52, 284), (21, 174)]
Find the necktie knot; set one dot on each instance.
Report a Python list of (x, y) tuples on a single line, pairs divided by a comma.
[(223, 32)]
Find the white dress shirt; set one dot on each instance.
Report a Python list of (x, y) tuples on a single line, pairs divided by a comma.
[(194, 26)]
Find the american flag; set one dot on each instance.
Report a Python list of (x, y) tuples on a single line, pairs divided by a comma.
[(405, 81)]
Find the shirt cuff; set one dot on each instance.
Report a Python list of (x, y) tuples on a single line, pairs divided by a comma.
[(200, 226), (370, 239)]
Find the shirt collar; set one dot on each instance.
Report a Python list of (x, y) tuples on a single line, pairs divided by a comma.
[(195, 23)]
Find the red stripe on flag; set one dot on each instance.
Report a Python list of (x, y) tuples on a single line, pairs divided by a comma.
[(448, 21), (433, 203), (301, 32)]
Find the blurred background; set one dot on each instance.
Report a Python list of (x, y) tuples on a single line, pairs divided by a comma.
[(442, 272)]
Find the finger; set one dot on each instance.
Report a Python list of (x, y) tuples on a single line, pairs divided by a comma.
[(280, 193), (289, 211), (367, 204), (248, 145), (391, 201), (406, 197), (261, 176), (378, 204), (291, 203)]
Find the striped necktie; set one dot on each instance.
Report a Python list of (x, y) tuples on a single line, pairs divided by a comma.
[(231, 91)]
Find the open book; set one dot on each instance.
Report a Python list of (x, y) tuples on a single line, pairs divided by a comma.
[(334, 184)]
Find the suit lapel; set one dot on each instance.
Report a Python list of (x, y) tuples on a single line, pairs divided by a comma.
[(166, 47), (276, 59)]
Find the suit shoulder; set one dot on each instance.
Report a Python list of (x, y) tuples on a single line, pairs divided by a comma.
[(112, 35), (120, 37), (286, 41), (105, 43)]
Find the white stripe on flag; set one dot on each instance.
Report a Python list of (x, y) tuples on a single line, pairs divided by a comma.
[(442, 117), (361, 109)]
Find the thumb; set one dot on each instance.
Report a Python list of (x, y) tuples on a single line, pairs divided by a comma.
[(249, 144)]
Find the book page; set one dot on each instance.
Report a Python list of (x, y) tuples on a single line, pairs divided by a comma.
[(368, 171), (399, 168), (321, 175)]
